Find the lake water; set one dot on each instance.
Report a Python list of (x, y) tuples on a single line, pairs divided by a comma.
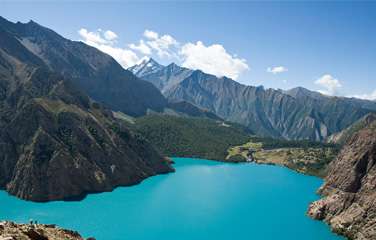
[(202, 200)]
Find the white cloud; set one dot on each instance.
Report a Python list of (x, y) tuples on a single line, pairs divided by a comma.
[(329, 83), (110, 35), (104, 42), (370, 96), (276, 70), (92, 37), (141, 47), (164, 45), (150, 34), (213, 59)]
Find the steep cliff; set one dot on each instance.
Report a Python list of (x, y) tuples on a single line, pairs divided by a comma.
[(55, 141), (349, 191)]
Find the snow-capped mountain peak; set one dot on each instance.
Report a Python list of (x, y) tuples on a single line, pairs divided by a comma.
[(146, 67)]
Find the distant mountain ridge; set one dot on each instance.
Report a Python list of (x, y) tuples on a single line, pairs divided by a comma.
[(304, 94), (294, 114)]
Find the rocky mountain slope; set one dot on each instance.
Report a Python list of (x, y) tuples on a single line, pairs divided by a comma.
[(349, 191), (95, 72), (294, 114), (147, 67), (163, 77), (14, 231), (55, 141), (343, 136), (267, 112)]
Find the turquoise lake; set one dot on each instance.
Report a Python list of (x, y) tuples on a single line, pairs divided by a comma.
[(201, 200)]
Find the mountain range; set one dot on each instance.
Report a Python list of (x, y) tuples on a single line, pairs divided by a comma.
[(293, 114), (57, 99), (56, 141), (64, 108)]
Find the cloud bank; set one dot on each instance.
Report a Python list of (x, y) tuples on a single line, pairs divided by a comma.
[(329, 84), (213, 59), (370, 96), (141, 47), (165, 45)]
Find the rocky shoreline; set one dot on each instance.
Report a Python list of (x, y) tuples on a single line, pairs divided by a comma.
[(349, 192), (31, 231)]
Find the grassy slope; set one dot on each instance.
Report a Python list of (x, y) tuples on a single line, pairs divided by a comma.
[(191, 137), (303, 156)]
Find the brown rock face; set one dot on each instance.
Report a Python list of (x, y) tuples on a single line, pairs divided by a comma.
[(349, 203), (56, 142), (13, 231)]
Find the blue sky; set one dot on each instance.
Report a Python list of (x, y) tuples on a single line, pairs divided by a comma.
[(324, 46)]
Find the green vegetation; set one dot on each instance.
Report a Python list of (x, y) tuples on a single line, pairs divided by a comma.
[(312, 161), (191, 137), (303, 156), (273, 143)]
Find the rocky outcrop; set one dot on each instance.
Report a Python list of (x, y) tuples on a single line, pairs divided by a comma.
[(55, 141), (14, 231), (349, 191)]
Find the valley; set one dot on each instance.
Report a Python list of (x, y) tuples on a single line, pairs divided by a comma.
[(109, 151)]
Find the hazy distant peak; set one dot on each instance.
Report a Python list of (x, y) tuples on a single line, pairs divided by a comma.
[(299, 92), (173, 65)]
